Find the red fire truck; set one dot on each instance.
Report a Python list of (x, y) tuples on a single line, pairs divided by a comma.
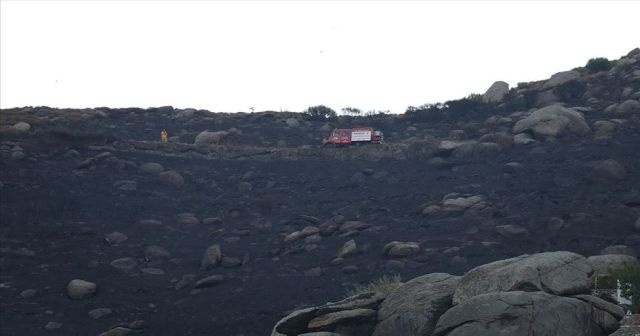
[(353, 136)]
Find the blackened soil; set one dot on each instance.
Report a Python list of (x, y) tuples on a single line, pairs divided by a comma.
[(54, 218)]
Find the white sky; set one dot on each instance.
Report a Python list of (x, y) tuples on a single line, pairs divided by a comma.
[(229, 56)]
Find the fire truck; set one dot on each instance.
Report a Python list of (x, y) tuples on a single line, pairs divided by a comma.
[(353, 136)]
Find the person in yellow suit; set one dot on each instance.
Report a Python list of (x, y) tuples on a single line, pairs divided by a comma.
[(164, 136)]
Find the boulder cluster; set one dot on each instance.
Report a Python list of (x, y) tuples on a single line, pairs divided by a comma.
[(541, 294)]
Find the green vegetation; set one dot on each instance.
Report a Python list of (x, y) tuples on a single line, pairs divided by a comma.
[(470, 106), (598, 64), (629, 278), (385, 284), (352, 111), (320, 113)]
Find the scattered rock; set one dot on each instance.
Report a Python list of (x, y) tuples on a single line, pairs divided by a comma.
[(51, 325), (430, 210), (608, 170), (126, 185), (351, 269), (292, 122), (115, 238), (152, 271), (99, 312), (152, 168), (117, 331), (353, 226), (78, 289), (28, 293), (210, 281), (230, 262), (171, 178), (462, 203), (125, 264), (347, 249), (212, 221), (156, 255), (396, 249), (313, 272), (212, 257), (512, 231), (188, 280), (187, 220)]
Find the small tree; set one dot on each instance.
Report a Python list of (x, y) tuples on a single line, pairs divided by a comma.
[(597, 64), (320, 113), (629, 278)]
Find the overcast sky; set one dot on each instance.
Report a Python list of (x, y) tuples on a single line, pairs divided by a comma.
[(230, 56)]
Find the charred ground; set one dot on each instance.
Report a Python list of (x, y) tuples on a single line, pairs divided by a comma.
[(77, 175)]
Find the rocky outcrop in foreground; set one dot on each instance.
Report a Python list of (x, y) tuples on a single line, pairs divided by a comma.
[(540, 294)]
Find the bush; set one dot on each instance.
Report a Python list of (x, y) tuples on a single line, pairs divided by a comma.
[(629, 278), (385, 284), (320, 113), (426, 113), (352, 111), (597, 64)]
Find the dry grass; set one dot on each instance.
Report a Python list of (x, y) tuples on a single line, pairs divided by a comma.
[(385, 284)]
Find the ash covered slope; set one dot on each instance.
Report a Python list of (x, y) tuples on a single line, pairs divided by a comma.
[(223, 235)]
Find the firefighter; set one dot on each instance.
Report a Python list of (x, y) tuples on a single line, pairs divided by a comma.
[(164, 136)]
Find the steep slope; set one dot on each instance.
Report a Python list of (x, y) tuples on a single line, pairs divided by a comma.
[(462, 185)]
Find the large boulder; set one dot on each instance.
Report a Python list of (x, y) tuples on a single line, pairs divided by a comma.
[(553, 121), (603, 264), (528, 313), (22, 127), (396, 249), (627, 106), (171, 178), (559, 273), (414, 308), (78, 289), (618, 249), (207, 138), (561, 78), (496, 92)]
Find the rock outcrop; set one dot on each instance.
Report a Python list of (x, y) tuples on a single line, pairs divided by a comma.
[(414, 307), (553, 121), (540, 294), (527, 313), (558, 273), (496, 92)]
